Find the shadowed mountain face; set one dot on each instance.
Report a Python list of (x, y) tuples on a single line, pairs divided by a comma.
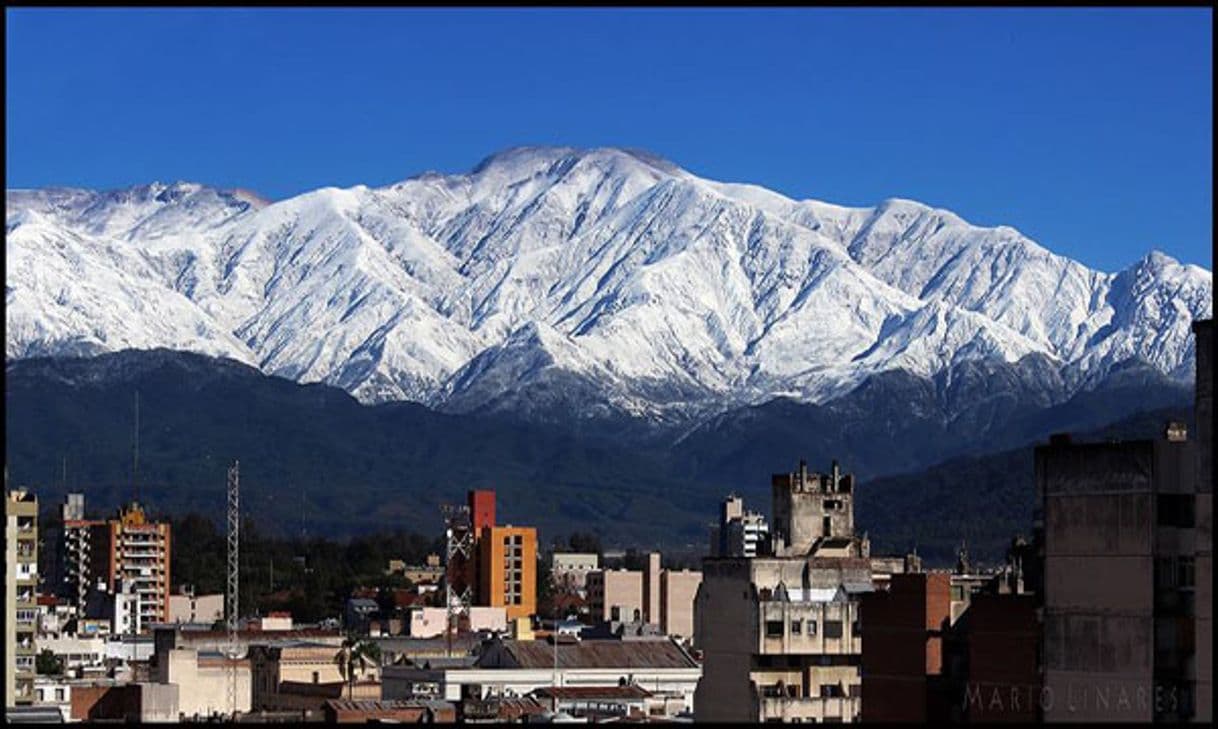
[(314, 458), (558, 284)]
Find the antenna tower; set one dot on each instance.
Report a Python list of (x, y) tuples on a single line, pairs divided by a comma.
[(135, 454), (234, 580), (459, 557)]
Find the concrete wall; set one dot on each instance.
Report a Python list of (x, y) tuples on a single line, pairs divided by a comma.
[(1204, 595), (1099, 592), (570, 570), (430, 622), (725, 616), (196, 609), (677, 593), (651, 589), (615, 588), (204, 682)]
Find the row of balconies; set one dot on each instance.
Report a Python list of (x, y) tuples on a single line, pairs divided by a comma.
[(808, 708)]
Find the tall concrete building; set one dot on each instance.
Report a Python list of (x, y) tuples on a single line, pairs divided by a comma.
[(1127, 539), (811, 510), (507, 568), (131, 550), (75, 539), (20, 595), (739, 533), (1204, 414), (779, 632), (903, 659)]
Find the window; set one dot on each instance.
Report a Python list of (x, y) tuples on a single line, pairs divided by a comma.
[(856, 628), (1185, 570), (773, 628), (1176, 510), (796, 627), (59, 694), (833, 628), (316, 677), (811, 627)]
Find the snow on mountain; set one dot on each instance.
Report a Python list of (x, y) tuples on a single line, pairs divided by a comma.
[(606, 278)]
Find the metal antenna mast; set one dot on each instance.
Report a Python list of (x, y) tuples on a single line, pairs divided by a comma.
[(135, 453), (459, 555), (234, 580)]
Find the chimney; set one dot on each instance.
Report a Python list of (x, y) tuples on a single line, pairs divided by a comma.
[(837, 474), (803, 471)]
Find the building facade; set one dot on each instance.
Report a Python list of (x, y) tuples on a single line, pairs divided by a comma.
[(570, 570), (780, 632), (20, 595), (135, 551), (1126, 539), (615, 595), (507, 569), (1204, 412), (739, 533)]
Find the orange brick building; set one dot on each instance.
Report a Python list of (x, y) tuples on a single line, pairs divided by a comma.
[(902, 663), (507, 569)]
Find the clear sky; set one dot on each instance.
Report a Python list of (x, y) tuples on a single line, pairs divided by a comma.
[(1090, 130)]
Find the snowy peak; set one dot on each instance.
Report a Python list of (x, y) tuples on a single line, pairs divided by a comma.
[(607, 277)]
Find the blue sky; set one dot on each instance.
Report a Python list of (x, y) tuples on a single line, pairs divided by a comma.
[(1090, 130)]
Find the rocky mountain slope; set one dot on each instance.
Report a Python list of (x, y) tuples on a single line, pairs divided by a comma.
[(552, 283)]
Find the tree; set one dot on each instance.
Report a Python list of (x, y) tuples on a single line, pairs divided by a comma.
[(355, 650), (585, 542), (47, 663)]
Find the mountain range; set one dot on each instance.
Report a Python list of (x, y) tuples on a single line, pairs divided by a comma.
[(551, 284)]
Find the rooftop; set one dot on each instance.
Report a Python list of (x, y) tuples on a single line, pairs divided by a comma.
[(597, 654), (592, 693)]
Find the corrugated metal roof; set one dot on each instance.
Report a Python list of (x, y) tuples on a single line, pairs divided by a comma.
[(592, 693), (600, 654)]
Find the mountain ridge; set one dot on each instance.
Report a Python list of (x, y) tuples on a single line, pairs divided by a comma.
[(651, 291)]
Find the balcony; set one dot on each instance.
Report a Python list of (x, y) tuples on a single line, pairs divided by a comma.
[(806, 708)]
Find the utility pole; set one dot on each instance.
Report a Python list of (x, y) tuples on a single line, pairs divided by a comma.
[(234, 580)]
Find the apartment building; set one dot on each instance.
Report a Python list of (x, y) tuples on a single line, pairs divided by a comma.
[(507, 567), (131, 550), (740, 533), (1127, 539), (780, 632), (615, 595), (20, 595), (570, 570)]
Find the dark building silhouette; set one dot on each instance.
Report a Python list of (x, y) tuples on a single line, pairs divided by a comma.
[(1126, 530)]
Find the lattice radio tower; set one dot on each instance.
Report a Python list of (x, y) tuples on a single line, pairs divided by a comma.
[(459, 540), (234, 580)]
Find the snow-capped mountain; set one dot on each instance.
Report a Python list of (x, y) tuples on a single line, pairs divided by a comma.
[(596, 281)]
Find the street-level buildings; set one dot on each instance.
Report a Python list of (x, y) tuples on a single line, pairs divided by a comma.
[(516, 668)]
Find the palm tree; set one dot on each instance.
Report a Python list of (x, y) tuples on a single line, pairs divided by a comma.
[(355, 650)]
